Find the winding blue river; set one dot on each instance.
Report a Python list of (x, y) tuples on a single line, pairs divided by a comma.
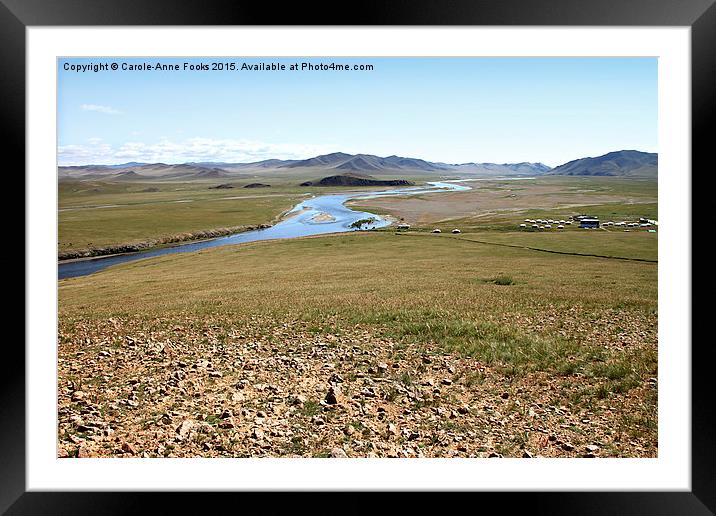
[(316, 216)]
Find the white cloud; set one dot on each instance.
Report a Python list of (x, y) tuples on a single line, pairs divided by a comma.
[(107, 110), (193, 149)]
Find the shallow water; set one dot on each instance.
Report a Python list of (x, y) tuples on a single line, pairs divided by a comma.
[(298, 222)]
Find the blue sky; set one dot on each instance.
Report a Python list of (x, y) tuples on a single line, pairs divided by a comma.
[(455, 110)]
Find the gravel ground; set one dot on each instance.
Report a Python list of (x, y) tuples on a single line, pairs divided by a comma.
[(258, 388)]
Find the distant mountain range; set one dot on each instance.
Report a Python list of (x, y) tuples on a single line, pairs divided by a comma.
[(624, 163), (620, 163), (140, 171)]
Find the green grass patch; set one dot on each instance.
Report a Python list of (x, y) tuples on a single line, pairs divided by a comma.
[(310, 408), (502, 279)]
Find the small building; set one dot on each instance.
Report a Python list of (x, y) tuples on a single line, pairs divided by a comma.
[(403, 226), (437, 230), (588, 223), (456, 231)]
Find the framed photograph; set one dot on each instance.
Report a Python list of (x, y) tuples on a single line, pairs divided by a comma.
[(272, 252)]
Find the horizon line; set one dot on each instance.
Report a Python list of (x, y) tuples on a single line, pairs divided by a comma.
[(208, 162)]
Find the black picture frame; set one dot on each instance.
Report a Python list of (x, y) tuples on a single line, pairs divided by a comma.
[(17, 15)]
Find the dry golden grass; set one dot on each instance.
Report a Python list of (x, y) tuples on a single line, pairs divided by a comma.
[(427, 287)]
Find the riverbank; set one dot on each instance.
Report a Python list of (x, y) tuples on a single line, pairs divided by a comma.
[(155, 243), (176, 214)]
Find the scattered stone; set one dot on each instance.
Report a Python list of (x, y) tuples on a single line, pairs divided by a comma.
[(226, 424), (368, 392), (185, 428), (299, 400), (333, 395), (338, 453), (155, 398), (128, 448)]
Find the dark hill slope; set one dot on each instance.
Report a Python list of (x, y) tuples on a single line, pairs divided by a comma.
[(356, 180), (624, 163)]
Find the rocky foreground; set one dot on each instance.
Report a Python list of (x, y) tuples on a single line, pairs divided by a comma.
[(193, 389)]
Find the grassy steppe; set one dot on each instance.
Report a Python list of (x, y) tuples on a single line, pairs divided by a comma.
[(105, 214), (96, 214), (494, 342), (635, 245), (500, 205), (580, 331)]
